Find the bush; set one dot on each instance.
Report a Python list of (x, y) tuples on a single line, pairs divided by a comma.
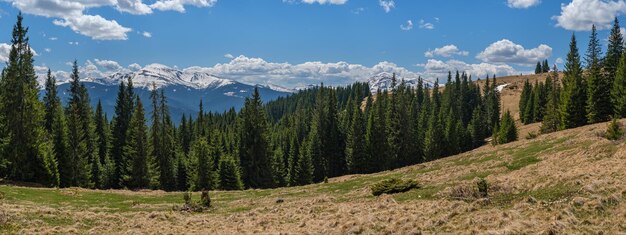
[(483, 187), (187, 197), (392, 186), (205, 200), (614, 131), (532, 135)]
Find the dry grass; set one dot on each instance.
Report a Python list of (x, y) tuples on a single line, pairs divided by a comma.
[(569, 182)]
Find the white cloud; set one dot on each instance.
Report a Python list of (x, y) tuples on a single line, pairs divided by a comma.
[(408, 26), (560, 60), (134, 67), (426, 25), (321, 2), (72, 43), (70, 13), (229, 56), (96, 27), (47, 50), (446, 51), (522, 3), (5, 49), (580, 15), (147, 34), (109, 65), (387, 5), (439, 69), (505, 51)]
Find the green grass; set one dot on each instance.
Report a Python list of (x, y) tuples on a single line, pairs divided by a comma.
[(425, 193), (475, 174), (528, 155), (547, 194)]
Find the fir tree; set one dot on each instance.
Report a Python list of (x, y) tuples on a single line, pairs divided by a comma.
[(28, 152), (123, 114), (56, 124), (136, 149), (545, 67), (506, 131), (434, 134), (182, 175), (79, 154), (304, 167), (599, 107), (538, 68), (573, 98), (203, 176), (375, 136), (165, 162), (356, 151), (618, 93), (254, 154), (229, 174), (614, 51), (552, 119), (523, 102)]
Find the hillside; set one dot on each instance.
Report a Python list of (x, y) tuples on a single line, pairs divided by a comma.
[(566, 182)]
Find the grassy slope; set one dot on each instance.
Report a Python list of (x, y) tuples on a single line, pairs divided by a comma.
[(572, 182)]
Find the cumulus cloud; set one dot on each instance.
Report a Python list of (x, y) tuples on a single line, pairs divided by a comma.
[(71, 13), (522, 3), (505, 51), (408, 26), (446, 51), (134, 67), (580, 15), (96, 27), (147, 34), (229, 56), (387, 5), (109, 65), (439, 69), (426, 25), (4, 52)]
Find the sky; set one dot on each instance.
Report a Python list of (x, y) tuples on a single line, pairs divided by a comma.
[(294, 43)]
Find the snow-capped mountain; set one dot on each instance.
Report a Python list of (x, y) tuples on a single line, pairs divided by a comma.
[(184, 89), (383, 81)]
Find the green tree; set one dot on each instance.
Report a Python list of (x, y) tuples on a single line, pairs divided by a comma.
[(229, 174), (573, 97), (136, 149), (538, 68), (121, 121), (103, 136), (357, 157), (507, 131), (599, 107), (614, 52), (203, 177), (56, 125), (527, 91), (618, 94), (254, 153), (79, 154), (28, 151), (545, 67)]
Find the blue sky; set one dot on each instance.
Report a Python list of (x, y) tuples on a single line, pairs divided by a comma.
[(297, 42)]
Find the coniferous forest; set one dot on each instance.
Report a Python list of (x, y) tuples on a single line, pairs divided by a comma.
[(300, 139)]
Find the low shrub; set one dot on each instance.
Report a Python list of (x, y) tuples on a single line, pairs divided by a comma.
[(483, 187), (394, 185), (614, 131), (191, 206), (532, 135)]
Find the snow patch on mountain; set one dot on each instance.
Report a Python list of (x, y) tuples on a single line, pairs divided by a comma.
[(383, 81)]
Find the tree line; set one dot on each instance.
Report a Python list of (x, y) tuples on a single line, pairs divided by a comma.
[(300, 139), (588, 93)]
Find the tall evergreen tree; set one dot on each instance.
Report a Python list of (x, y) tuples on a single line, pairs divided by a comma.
[(103, 137), (523, 102), (123, 114), (538, 68), (599, 107), (203, 177), (56, 125), (357, 157), (614, 51), (507, 131), (545, 67), (229, 178), (618, 92), (28, 151), (136, 149), (573, 97), (166, 162), (79, 154), (254, 153), (552, 119)]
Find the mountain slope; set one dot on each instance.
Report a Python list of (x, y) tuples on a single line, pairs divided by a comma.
[(568, 182)]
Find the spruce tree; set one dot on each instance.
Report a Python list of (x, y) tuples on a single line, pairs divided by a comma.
[(573, 98), (121, 120), (545, 67), (599, 107), (56, 124), (279, 170), (614, 52), (166, 161), (618, 94), (79, 154), (434, 135), (182, 173), (304, 167), (356, 152), (538, 68), (203, 177), (375, 136), (136, 149), (103, 136), (523, 102), (507, 131), (28, 151), (552, 119), (229, 178), (253, 149)]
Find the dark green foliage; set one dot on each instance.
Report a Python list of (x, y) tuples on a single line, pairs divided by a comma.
[(614, 131), (618, 94), (204, 178), (279, 168), (56, 125), (393, 185), (229, 177), (574, 95), (599, 106), (483, 187), (614, 52), (136, 150), (538, 68), (121, 120), (205, 200), (357, 157), (254, 152), (545, 67), (27, 150), (182, 173), (506, 131)]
